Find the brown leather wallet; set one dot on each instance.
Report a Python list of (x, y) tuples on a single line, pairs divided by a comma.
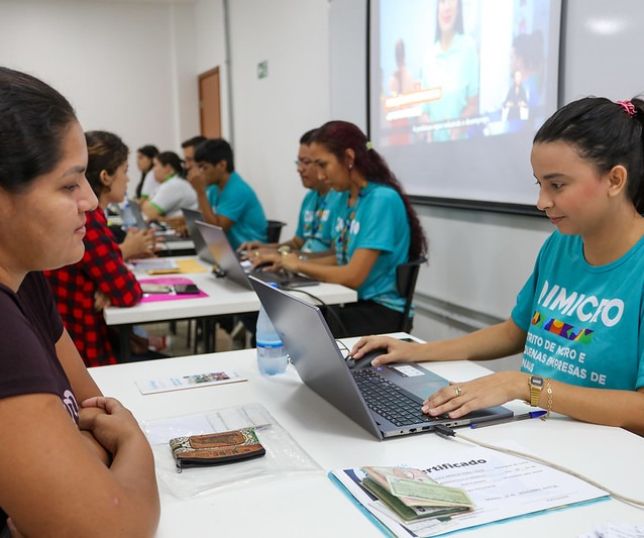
[(216, 448)]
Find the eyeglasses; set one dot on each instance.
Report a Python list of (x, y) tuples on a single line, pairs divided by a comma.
[(303, 162)]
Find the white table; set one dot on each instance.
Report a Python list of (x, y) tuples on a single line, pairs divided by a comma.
[(175, 246), (311, 505), (224, 298)]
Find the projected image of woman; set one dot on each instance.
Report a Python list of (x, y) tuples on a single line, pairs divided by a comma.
[(452, 67)]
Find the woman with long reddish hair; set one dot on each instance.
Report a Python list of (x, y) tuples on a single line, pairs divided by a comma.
[(376, 230)]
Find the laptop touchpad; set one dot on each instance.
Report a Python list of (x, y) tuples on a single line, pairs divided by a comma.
[(414, 379)]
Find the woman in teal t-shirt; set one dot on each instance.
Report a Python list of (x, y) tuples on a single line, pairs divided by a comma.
[(376, 230), (580, 317)]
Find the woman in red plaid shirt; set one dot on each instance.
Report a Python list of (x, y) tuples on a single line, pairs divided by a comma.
[(101, 278)]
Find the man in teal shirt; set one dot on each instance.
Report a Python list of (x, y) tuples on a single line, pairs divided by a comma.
[(225, 199), (317, 212)]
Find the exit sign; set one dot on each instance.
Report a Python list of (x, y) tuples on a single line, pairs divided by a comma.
[(262, 69)]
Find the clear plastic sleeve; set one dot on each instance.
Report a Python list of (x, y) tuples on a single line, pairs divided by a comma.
[(283, 455)]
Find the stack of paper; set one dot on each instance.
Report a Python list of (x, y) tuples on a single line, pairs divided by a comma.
[(412, 495)]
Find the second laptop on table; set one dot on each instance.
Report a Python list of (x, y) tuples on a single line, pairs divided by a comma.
[(226, 258)]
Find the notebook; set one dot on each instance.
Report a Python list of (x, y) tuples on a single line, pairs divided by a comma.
[(226, 259), (386, 401)]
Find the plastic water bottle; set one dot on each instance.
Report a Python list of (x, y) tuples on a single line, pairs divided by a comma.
[(271, 355), (129, 220)]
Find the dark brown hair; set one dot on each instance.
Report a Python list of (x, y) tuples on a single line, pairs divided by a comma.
[(337, 137), (33, 119), (106, 151), (604, 133)]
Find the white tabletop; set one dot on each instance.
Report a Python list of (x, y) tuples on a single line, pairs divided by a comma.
[(224, 297), (311, 505)]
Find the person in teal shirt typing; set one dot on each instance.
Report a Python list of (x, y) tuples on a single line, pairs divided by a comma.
[(376, 230), (317, 212), (579, 319), (225, 199), (377, 221)]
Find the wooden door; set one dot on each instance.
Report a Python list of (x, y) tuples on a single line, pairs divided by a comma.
[(209, 104)]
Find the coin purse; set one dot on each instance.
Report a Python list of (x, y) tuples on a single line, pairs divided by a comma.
[(216, 448)]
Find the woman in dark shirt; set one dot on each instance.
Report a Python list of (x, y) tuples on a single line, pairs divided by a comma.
[(93, 475)]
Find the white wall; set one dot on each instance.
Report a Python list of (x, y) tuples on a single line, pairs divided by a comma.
[(123, 66), (211, 51), (183, 46), (348, 18), (271, 114)]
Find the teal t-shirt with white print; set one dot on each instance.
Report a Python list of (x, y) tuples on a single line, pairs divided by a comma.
[(585, 323), (316, 220), (377, 221), (238, 202)]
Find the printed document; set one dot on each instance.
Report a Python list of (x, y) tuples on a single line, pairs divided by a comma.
[(501, 487)]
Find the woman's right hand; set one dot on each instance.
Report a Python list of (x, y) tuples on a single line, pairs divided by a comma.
[(270, 260), (395, 350), (112, 427)]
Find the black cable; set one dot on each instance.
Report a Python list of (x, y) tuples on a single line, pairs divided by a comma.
[(327, 307)]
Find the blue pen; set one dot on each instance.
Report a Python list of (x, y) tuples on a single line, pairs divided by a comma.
[(526, 416)]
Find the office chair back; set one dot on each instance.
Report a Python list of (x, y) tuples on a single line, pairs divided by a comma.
[(406, 276), (274, 231)]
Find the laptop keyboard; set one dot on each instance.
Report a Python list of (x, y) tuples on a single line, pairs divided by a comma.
[(388, 400)]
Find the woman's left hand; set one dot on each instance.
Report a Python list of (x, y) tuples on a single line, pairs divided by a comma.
[(459, 399)]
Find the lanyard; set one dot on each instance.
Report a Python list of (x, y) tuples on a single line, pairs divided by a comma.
[(348, 221)]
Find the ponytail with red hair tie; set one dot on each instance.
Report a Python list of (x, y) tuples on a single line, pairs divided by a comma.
[(628, 106)]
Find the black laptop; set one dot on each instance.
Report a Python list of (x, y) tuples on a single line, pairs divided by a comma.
[(386, 401)]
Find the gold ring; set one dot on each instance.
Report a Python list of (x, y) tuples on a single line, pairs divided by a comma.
[(458, 390)]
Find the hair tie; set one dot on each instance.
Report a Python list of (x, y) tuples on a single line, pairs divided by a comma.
[(369, 145), (628, 106)]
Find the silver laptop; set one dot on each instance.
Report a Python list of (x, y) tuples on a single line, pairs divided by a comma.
[(132, 212), (226, 258), (192, 216), (386, 401)]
